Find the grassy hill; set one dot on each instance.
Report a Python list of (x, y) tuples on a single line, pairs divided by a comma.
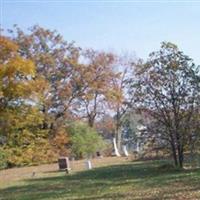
[(113, 178)]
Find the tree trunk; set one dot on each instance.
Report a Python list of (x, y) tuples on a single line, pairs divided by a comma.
[(91, 121), (179, 150), (118, 130), (118, 137), (180, 157), (45, 122), (174, 153)]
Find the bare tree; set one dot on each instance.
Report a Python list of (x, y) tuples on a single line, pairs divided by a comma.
[(168, 86)]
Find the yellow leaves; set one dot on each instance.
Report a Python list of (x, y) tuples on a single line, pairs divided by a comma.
[(35, 153), (11, 62), (33, 116), (18, 66), (39, 89), (16, 73), (89, 96), (15, 90), (61, 137), (59, 141), (18, 118), (7, 48), (115, 96), (26, 137)]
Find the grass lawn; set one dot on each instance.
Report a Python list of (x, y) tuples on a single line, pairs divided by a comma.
[(122, 180)]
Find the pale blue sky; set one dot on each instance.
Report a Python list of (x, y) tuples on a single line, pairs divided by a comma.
[(131, 26)]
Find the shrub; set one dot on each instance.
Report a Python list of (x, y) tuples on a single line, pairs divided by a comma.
[(3, 158), (36, 153), (85, 141)]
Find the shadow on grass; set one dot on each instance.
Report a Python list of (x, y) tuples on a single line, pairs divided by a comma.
[(112, 182)]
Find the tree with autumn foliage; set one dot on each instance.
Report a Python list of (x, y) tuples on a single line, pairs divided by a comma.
[(20, 117), (47, 82), (97, 76), (73, 89), (167, 86), (56, 61)]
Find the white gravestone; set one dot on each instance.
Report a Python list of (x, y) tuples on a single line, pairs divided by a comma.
[(116, 152), (88, 164)]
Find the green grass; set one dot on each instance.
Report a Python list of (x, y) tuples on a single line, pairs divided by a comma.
[(134, 180)]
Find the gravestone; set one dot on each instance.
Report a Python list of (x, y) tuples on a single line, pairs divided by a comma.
[(98, 154), (33, 174), (63, 163), (88, 164)]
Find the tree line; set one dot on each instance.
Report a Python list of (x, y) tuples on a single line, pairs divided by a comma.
[(48, 86)]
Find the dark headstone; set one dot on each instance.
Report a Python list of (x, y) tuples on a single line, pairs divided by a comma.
[(98, 154), (63, 163)]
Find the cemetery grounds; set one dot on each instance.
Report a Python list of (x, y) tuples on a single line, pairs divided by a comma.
[(110, 178)]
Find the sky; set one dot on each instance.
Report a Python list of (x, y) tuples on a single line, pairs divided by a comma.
[(133, 27)]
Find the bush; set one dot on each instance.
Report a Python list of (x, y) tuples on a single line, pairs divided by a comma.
[(85, 141), (60, 142), (108, 149), (40, 152), (3, 158)]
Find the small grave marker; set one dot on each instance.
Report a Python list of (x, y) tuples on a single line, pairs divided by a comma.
[(98, 154), (88, 164)]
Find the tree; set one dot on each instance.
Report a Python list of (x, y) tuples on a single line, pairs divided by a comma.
[(20, 118), (97, 79), (167, 85), (57, 62), (106, 126), (122, 101), (85, 140)]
